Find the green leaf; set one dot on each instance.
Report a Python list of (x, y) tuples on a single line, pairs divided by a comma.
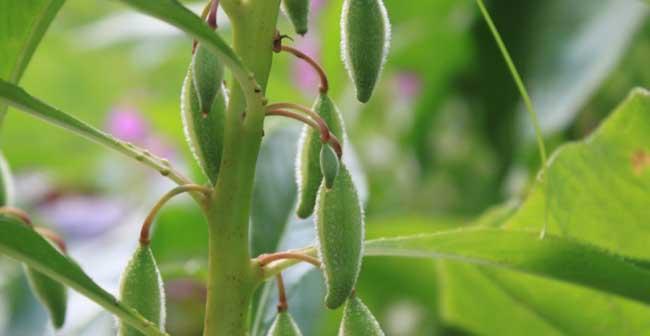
[(598, 189), (521, 304), (20, 99), (22, 243), (274, 193), (23, 25), (553, 257)]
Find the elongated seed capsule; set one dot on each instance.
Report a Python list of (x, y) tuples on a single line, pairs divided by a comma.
[(308, 170), (365, 42), (340, 226), (51, 293), (329, 165), (204, 130), (208, 74), (298, 13), (284, 325), (358, 320), (141, 288), (6, 185)]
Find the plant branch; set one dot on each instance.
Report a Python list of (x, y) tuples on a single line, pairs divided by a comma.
[(326, 135), (274, 263), (145, 238), (20, 99), (300, 117), (324, 84), (283, 305), (526, 98)]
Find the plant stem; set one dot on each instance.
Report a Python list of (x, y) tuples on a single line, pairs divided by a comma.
[(231, 279), (527, 102)]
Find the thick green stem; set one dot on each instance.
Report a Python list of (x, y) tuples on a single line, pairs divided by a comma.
[(232, 279)]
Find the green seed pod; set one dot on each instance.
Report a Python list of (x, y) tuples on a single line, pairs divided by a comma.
[(329, 165), (340, 226), (298, 13), (208, 74), (365, 42), (141, 288), (308, 170), (6, 186), (204, 130), (358, 320), (284, 326), (51, 293)]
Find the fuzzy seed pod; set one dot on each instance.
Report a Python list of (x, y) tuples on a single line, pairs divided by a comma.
[(51, 293), (208, 74), (340, 226), (365, 42), (284, 325), (308, 170), (141, 288), (358, 320), (329, 165), (204, 129), (6, 186), (298, 13)]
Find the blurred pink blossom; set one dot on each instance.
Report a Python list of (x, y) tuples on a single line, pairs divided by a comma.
[(303, 74), (126, 123), (408, 84)]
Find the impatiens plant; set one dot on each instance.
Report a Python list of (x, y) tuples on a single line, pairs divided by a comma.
[(223, 108)]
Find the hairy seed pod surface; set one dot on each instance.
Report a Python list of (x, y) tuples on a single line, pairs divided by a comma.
[(358, 320), (141, 288), (329, 165), (308, 170), (204, 131), (365, 42), (284, 325), (298, 13), (6, 186), (208, 74), (51, 293), (340, 227)]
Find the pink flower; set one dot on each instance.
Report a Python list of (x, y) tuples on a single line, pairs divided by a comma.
[(126, 123)]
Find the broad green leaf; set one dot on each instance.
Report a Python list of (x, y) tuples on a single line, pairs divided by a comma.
[(274, 193), (22, 243), (517, 304), (553, 257), (20, 99), (22, 25), (598, 189)]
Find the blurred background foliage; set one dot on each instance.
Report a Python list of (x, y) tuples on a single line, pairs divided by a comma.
[(444, 139)]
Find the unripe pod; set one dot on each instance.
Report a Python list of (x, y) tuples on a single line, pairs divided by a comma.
[(308, 170), (6, 185), (284, 326), (51, 293), (141, 288), (329, 165), (365, 42), (208, 74), (298, 13), (358, 320), (204, 131), (340, 226)]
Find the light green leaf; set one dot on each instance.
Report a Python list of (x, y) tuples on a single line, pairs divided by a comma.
[(20, 99), (598, 189), (22, 25), (516, 304), (553, 257), (22, 243)]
